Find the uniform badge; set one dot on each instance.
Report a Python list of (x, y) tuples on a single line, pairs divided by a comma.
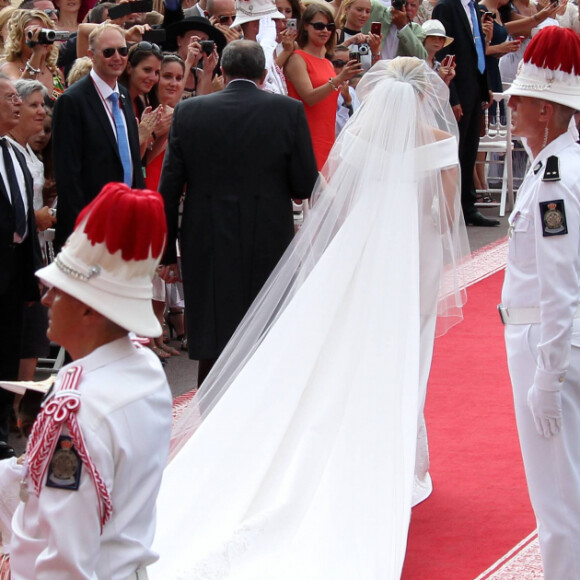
[(64, 470), (552, 172), (537, 167), (553, 218)]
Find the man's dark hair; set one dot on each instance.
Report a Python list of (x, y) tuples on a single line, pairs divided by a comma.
[(244, 59), (27, 5), (97, 14)]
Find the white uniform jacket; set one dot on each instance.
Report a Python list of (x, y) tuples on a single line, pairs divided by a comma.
[(544, 270), (125, 418)]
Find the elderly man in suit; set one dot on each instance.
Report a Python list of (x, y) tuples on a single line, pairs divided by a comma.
[(242, 155), (468, 90), (19, 250), (95, 136)]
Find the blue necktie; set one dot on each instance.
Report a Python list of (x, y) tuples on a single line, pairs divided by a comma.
[(15, 193), (479, 46), (122, 142)]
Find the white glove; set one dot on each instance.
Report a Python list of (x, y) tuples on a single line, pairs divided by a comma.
[(546, 407)]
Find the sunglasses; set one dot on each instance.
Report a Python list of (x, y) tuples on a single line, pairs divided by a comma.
[(50, 11), (225, 18), (145, 46), (331, 26), (339, 63), (109, 52)]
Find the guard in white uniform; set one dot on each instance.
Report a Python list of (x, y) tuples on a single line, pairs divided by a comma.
[(541, 295), (98, 448)]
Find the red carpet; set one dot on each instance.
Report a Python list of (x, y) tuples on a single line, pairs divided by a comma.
[(479, 508)]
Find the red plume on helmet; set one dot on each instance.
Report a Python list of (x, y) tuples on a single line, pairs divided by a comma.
[(555, 48), (110, 259), (550, 70), (130, 220)]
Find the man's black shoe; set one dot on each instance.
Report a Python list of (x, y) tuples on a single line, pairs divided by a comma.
[(478, 219), (6, 451)]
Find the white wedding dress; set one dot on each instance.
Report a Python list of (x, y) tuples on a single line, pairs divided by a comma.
[(302, 466)]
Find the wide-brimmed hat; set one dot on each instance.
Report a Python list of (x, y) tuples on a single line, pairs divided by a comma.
[(109, 260), (180, 27), (250, 10), (550, 68), (436, 28)]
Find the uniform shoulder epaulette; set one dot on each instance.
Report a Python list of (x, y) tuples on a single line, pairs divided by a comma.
[(552, 171)]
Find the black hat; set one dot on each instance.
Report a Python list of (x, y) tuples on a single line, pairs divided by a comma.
[(193, 23)]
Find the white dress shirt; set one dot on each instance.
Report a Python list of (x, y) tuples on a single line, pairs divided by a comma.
[(104, 91), (19, 177)]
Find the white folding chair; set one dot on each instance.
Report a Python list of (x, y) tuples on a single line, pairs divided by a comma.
[(498, 139)]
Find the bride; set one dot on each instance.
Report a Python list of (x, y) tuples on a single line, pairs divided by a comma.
[(302, 464)]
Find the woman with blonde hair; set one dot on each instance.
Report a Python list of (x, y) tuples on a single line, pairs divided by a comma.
[(27, 58), (5, 15), (353, 17)]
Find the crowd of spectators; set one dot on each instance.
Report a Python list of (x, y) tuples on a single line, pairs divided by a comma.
[(316, 51)]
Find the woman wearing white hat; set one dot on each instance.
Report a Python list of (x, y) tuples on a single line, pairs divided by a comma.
[(435, 39)]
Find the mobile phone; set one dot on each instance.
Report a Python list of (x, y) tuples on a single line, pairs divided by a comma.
[(398, 4), (489, 15), (448, 61), (157, 35), (291, 24), (555, 3), (376, 28), (353, 53), (207, 46), (129, 8)]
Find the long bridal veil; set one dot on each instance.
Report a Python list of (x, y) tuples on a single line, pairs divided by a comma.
[(302, 460)]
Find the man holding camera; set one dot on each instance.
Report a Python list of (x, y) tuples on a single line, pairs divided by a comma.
[(95, 136), (242, 154), (400, 35)]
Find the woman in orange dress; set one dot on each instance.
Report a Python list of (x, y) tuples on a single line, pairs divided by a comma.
[(311, 77)]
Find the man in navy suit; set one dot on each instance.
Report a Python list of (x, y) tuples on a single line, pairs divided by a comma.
[(19, 251), (95, 133), (468, 91), (242, 155)]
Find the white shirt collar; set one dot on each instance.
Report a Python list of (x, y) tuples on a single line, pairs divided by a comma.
[(243, 81), (104, 89)]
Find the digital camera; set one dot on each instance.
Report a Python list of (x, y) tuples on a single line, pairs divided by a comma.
[(48, 36), (207, 46)]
